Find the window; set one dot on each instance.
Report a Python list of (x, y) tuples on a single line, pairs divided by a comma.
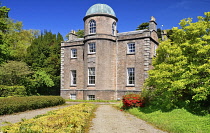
[(92, 26), (155, 47), (131, 48), (91, 97), (73, 96), (130, 76), (92, 47), (73, 77), (73, 53), (91, 76), (113, 28)]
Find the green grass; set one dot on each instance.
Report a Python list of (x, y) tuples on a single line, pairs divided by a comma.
[(175, 121), (70, 100)]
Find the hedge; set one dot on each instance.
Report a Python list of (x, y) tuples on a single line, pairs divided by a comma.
[(18, 104), (73, 119)]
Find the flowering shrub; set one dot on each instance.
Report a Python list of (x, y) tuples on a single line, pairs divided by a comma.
[(132, 100)]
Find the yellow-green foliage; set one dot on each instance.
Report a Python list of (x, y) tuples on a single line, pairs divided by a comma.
[(67, 120), (182, 67)]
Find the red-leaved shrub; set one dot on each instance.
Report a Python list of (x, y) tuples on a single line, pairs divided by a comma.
[(132, 100)]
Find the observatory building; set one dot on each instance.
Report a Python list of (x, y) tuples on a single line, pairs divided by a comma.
[(105, 64)]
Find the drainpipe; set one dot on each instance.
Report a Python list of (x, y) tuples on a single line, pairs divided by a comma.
[(116, 88)]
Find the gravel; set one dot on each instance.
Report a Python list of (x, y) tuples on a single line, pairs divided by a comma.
[(110, 120)]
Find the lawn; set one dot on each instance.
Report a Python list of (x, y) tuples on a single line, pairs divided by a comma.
[(175, 121)]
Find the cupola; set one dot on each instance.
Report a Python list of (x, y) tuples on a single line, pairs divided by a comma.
[(100, 9)]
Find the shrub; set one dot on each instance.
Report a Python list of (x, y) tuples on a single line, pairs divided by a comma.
[(12, 91), (73, 119), (18, 104), (132, 100)]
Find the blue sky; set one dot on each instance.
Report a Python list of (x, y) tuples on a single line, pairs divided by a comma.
[(65, 15)]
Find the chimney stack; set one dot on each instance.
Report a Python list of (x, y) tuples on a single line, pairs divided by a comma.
[(152, 24)]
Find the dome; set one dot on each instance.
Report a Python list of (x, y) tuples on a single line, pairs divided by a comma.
[(100, 9)]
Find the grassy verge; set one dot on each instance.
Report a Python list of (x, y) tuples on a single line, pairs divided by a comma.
[(75, 119), (70, 100), (175, 121)]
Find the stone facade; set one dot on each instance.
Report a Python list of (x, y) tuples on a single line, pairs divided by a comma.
[(110, 60)]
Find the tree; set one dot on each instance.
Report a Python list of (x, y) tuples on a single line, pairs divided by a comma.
[(79, 33), (3, 28), (14, 73), (182, 67), (13, 39), (43, 55), (143, 26)]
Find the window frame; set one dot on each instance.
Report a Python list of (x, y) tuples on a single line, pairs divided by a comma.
[(73, 78), (113, 28), (91, 97), (131, 49), (73, 53), (131, 76), (73, 96), (155, 48), (91, 77), (92, 49), (92, 26)]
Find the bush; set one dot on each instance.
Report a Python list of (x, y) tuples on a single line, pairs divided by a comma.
[(12, 91), (73, 119), (19, 104), (132, 100)]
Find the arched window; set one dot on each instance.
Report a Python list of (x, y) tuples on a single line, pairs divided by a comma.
[(92, 26), (113, 28)]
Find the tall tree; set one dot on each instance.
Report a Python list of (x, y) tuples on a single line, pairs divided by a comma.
[(13, 39), (182, 66), (44, 56), (3, 28)]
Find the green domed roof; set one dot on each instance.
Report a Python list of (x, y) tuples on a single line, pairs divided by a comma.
[(100, 9)]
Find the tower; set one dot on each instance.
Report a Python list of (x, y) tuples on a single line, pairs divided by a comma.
[(99, 46)]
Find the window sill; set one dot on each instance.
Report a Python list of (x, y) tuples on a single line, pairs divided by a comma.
[(130, 85), (130, 53), (73, 58), (91, 53), (92, 33), (73, 85), (91, 85)]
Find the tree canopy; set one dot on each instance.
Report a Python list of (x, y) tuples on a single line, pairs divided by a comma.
[(28, 59), (43, 55), (143, 26), (182, 66), (79, 33)]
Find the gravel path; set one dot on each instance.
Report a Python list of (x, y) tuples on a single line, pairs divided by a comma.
[(110, 120), (107, 120)]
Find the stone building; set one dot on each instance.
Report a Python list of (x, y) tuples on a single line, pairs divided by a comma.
[(105, 64)]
